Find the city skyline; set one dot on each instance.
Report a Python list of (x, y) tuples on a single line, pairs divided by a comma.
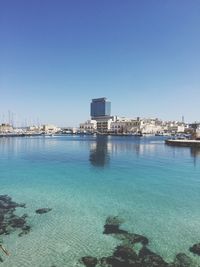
[(55, 57)]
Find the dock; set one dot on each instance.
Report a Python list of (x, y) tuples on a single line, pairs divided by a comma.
[(183, 142)]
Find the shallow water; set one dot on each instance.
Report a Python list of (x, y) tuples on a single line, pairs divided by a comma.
[(155, 188)]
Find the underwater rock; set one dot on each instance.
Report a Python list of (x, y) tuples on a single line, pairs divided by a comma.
[(130, 255), (151, 259), (8, 220), (1, 217), (182, 260), (125, 253), (125, 256), (43, 210), (6, 203), (195, 249), (25, 230), (17, 222), (113, 229), (112, 225), (114, 220), (135, 238), (89, 261), (103, 262), (116, 262)]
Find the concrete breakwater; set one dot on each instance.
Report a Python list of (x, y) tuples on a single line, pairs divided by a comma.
[(177, 142)]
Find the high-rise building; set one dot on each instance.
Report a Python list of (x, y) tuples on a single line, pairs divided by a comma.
[(100, 110), (100, 107)]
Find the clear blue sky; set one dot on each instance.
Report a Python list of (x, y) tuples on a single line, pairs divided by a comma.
[(143, 55)]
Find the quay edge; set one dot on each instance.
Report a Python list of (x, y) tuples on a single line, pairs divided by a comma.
[(177, 142)]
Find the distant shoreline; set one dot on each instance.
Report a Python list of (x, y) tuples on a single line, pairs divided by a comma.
[(79, 134)]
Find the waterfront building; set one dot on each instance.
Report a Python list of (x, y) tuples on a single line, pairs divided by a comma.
[(104, 124), (33, 128), (49, 128), (198, 134), (100, 111), (125, 125), (100, 107), (151, 126), (6, 128), (88, 126), (195, 127), (176, 127)]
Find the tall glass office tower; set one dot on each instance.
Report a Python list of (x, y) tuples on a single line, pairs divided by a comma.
[(100, 107)]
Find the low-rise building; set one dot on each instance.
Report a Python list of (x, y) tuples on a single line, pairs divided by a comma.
[(176, 127), (124, 125), (88, 126), (50, 128), (151, 126), (104, 124), (6, 128), (33, 128)]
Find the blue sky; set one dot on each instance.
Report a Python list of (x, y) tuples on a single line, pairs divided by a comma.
[(143, 55)]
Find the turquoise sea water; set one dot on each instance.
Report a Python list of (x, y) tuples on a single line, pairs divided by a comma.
[(84, 179)]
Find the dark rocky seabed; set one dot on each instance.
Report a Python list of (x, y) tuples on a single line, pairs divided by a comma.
[(9, 221), (133, 251)]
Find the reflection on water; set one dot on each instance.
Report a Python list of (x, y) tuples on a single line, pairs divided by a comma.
[(102, 149), (195, 152), (99, 154)]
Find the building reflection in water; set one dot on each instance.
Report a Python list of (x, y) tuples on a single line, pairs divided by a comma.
[(106, 146), (103, 148), (195, 152), (99, 155)]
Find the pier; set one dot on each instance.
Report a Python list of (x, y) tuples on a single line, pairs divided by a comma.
[(181, 142)]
